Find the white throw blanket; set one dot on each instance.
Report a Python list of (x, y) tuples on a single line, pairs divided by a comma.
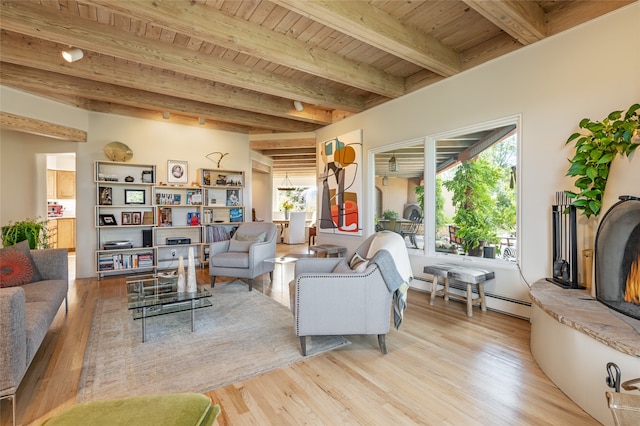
[(395, 245)]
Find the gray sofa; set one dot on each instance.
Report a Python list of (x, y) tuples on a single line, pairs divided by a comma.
[(26, 312)]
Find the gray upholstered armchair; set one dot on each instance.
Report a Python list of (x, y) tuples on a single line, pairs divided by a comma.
[(341, 296), (244, 255)]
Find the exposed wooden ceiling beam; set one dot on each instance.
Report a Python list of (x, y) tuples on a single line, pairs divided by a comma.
[(35, 53), (34, 20), (127, 111), (288, 152), (195, 20), (367, 23), (33, 79), (522, 20), (20, 123), (265, 144)]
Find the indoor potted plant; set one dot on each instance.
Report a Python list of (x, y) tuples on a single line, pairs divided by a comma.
[(33, 230), (595, 150)]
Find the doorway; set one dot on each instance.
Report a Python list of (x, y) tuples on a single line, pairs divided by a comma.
[(61, 200)]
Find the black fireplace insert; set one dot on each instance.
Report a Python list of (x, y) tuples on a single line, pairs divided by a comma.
[(617, 257)]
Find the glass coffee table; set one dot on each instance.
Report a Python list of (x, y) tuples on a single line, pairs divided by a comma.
[(153, 295)]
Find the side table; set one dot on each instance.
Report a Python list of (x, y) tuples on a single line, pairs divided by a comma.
[(468, 275), (328, 250)]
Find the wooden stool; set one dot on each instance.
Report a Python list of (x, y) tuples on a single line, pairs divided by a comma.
[(327, 250), (467, 275)]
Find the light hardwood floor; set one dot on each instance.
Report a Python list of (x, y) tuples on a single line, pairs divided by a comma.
[(442, 368)]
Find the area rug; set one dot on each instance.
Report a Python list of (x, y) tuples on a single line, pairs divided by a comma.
[(244, 334)]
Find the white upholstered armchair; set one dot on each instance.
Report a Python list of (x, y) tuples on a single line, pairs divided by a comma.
[(330, 297), (244, 255)]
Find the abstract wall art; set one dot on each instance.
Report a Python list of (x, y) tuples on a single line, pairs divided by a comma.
[(340, 184)]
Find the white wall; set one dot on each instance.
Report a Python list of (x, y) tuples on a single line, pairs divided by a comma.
[(588, 71)]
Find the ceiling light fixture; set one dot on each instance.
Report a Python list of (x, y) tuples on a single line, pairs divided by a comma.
[(201, 121), (393, 164), (72, 54), (385, 180), (166, 115), (298, 105), (286, 184)]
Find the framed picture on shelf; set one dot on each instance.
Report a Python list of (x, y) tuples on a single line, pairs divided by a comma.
[(147, 176), (107, 220), (177, 171), (232, 197), (105, 195), (127, 218), (136, 218), (134, 196)]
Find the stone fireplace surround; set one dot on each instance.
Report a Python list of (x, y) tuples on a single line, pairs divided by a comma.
[(573, 336)]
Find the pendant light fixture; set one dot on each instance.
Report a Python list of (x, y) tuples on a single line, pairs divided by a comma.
[(385, 180), (393, 164), (286, 184)]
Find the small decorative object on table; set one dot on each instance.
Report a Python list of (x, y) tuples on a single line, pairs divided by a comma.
[(192, 285), (182, 287)]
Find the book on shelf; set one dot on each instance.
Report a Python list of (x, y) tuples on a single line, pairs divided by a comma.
[(235, 214), (113, 262), (193, 218), (194, 197), (167, 199), (147, 218), (165, 216), (217, 233)]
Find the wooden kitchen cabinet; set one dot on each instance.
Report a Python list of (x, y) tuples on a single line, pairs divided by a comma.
[(65, 184), (51, 184), (66, 233)]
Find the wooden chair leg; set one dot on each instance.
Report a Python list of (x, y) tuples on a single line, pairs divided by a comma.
[(483, 302), (434, 290), (469, 300), (382, 343), (446, 289), (303, 345)]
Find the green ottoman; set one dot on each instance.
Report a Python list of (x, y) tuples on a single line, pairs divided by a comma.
[(188, 409)]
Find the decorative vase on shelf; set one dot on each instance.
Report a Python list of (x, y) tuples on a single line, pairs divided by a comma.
[(181, 281), (286, 214), (191, 273)]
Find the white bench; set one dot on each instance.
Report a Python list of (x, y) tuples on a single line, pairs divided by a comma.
[(468, 275)]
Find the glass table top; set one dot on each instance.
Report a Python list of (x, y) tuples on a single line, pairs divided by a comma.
[(158, 294)]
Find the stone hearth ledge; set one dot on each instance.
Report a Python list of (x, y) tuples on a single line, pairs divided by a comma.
[(578, 310)]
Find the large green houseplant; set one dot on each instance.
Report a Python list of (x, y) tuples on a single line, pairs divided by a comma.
[(33, 230), (595, 151), (473, 185)]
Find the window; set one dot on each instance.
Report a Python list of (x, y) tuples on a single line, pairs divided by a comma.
[(466, 183), (475, 193)]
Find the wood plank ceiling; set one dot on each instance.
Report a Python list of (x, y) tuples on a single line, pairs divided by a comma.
[(240, 65)]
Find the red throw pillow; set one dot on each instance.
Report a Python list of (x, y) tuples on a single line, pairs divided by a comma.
[(17, 266)]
